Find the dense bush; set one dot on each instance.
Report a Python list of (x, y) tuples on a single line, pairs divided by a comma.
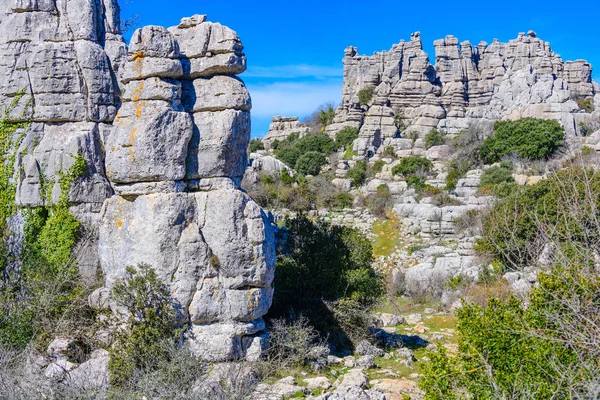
[(346, 136), (529, 138), (515, 230), (310, 163), (357, 174), (541, 349), (294, 148), (545, 345), (456, 170), (586, 105), (149, 333), (289, 155), (414, 169), (318, 192), (412, 165), (316, 142), (498, 180), (45, 294), (365, 95), (320, 262), (434, 138), (255, 145)]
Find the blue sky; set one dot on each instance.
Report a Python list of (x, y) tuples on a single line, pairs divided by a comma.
[(294, 49)]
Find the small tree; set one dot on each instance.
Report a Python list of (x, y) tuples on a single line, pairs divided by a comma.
[(530, 138), (434, 138), (148, 333), (345, 137), (358, 173), (310, 163), (255, 145), (365, 95)]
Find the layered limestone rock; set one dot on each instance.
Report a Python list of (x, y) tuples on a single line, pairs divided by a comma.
[(163, 126), (176, 157), (282, 127), (58, 61), (467, 84)]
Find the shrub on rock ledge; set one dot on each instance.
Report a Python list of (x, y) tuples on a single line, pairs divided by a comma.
[(310, 163), (530, 138), (346, 136)]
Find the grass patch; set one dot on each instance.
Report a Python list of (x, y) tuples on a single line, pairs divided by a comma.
[(388, 235)]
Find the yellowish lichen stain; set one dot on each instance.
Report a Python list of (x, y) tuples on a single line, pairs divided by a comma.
[(138, 91), (139, 108), (138, 63), (120, 224)]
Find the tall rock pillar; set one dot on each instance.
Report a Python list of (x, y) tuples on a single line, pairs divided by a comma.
[(175, 158)]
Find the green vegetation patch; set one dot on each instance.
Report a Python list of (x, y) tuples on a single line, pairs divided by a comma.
[(530, 138)]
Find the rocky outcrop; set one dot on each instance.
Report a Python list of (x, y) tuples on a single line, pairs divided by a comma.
[(176, 157), (163, 126), (282, 127), (467, 84), (58, 60)]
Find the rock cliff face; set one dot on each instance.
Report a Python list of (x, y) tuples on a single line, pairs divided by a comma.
[(521, 78), (163, 126), (58, 60)]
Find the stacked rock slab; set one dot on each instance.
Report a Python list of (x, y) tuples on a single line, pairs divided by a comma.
[(163, 127), (521, 78), (282, 127), (176, 158), (57, 61)]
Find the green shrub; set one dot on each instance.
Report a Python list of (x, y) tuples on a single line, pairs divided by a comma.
[(310, 163), (412, 165), (348, 154), (586, 151), (317, 261), (516, 227), (414, 169), (515, 349), (325, 114), (275, 144), (255, 145), (585, 104), (496, 180), (289, 155), (434, 138), (316, 142), (144, 342), (456, 170), (377, 166), (365, 95), (358, 173), (345, 137), (529, 138), (388, 152), (344, 200)]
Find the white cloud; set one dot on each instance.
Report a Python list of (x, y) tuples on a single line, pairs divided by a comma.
[(293, 71), (293, 98)]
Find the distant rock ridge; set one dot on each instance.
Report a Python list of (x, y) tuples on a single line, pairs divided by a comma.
[(521, 78), (163, 126), (282, 127)]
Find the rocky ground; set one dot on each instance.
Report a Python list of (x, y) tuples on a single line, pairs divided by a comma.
[(373, 372)]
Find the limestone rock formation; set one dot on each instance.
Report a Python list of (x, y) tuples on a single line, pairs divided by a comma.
[(467, 84), (176, 158), (163, 126), (58, 61), (282, 127)]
